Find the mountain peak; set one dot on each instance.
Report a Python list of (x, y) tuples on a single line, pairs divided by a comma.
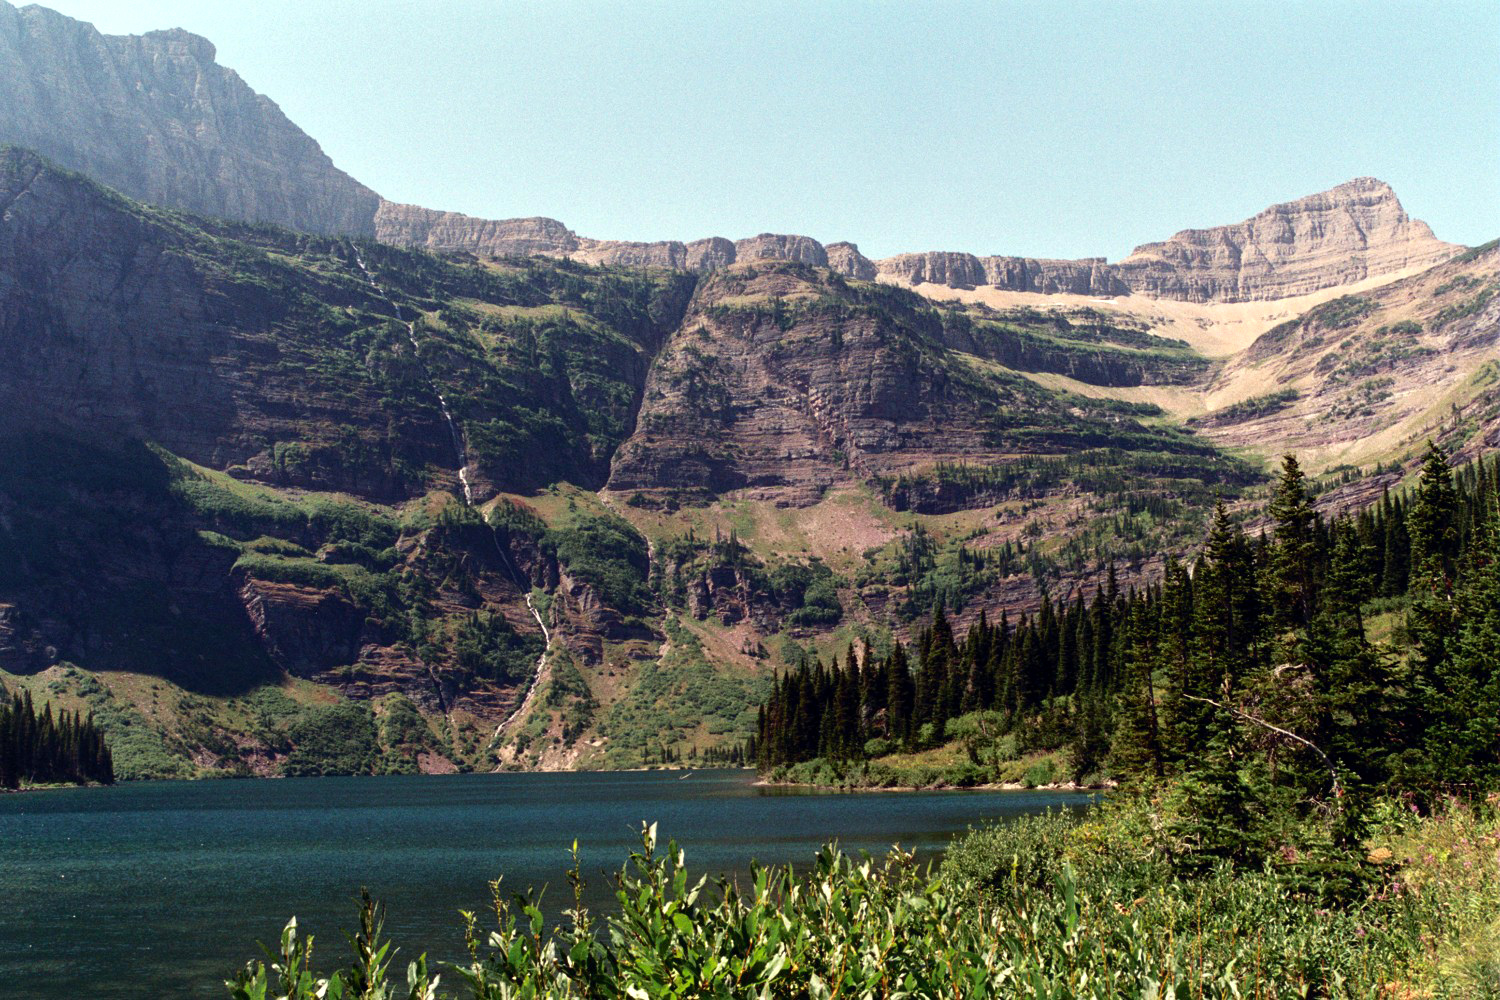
[(155, 117), (1336, 237), (197, 46)]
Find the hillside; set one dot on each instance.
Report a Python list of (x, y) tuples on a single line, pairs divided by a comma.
[(480, 493), (279, 502)]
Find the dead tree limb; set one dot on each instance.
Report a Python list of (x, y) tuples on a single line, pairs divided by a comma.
[(1333, 773)]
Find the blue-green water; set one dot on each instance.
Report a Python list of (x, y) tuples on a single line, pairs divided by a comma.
[(162, 889)]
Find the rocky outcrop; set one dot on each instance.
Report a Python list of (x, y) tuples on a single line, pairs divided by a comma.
[(120, 323), (846, 259), (414, 226), (772, 246), (956, 270), (709, 254), (1353, 375), (304, 629), (777, 386), (428, 229), (615, 253), (156, 117), (1352, 232), (1089, 276)]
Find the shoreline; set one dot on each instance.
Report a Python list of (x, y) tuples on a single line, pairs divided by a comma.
[(990, 786)]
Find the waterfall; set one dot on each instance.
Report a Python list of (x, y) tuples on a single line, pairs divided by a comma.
[(461, 452)]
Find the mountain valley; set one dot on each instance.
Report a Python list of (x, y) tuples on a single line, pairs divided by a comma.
[(295, 480)]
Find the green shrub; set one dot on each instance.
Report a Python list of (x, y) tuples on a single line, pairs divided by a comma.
[(336, 739), (606, 553), (1008, 914)]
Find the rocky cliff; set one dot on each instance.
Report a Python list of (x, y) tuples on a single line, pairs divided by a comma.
[(129, 322), (368, 466), (1360, 376), (1355, 231), (1344, 235), (156, 117), (784, 379), (425, 228)]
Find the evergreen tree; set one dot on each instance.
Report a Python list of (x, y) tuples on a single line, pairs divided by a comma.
[(1432, 521), (1464, 742), (1293, 566)]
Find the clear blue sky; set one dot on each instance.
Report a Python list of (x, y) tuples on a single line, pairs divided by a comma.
[(1048, 129)]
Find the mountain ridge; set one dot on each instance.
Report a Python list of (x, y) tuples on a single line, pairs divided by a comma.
[(180, 130), (156, 117), (530, 499)]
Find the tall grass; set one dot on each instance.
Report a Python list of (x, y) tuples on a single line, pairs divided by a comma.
[(1043, 907)]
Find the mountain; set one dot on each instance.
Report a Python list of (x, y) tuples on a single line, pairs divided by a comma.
[(1352, 232), (479, 494), (155, 117), (266, 496), (1347, 234)]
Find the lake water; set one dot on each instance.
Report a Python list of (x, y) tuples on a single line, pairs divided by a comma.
[(162, 889)]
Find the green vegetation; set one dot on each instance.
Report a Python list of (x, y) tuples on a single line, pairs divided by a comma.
[(604, 551), (38, 749), (677, 702), (1120, 904), (1469, 307), (337, 739), (1252, 673), (485, 646), (1168, 462), (1362, 400), (1313, 326), (1302, 814), (1084, 346), (1249, 409)]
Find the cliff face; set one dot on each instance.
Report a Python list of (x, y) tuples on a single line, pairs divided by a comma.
[(156, 117), (127, 322), (784, 379), (1409, 361), (1349, 233), (1355, 231), (424, 228)]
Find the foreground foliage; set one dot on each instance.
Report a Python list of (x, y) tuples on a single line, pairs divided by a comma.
[(1116, 905)]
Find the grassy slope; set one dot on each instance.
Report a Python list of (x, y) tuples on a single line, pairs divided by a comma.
[(541, 362)]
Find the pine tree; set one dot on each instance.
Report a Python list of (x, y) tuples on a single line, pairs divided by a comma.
[(1464, 743), (1294, 559), (1136, 748)]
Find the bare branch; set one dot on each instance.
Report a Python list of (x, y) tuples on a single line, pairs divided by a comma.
[(1338, 789)]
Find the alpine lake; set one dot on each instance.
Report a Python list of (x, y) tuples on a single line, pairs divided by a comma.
[(163, 889)]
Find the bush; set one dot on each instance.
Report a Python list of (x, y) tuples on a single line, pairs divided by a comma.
[(882, 927), (1010, 858), (606, 553), (337, 739)]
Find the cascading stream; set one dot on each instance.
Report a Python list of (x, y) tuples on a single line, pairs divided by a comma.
[(461, 451)]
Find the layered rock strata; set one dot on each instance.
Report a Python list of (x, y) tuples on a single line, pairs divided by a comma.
[(1352, 232), (155, 117)]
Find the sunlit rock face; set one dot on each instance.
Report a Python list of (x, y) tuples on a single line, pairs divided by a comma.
[(155, 117)]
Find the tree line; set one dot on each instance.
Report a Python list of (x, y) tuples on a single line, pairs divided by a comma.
[(40, 749), (1251, 666)]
